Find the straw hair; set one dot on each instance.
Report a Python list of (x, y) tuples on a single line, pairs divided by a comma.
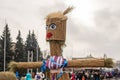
[(60, 14), (69, 9), (56, 15)]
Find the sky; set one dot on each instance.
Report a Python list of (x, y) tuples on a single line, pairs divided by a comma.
[(92, 26)]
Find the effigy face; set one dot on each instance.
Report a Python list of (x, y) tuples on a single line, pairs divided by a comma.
[(56, 28)]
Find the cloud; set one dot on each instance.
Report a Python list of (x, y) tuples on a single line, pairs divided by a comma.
[(82, 38), (27, 14), (107, 25), (103, 37)]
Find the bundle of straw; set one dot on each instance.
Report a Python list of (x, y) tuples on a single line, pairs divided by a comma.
[(7, 76), (71, 63), (23, 65), (86, 63)]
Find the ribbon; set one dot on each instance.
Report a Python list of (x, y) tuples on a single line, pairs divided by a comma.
[(17, 74), (53, 61), (65, 63), (59, 61), (61, 72), (56, 62), (43, 67)]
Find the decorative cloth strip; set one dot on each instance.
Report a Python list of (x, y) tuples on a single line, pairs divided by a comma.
[(56, 62)]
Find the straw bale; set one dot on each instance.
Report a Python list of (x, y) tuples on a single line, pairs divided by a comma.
[(86, 63), (7, 76)]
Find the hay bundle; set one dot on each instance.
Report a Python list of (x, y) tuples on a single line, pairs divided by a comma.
[(24, 65), (29, 65), (86, 63), (71, 63), (7, 76)]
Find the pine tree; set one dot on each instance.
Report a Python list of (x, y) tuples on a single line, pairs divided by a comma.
[(8, 45), (36, 48), (19, 56), (32, 46), (28, 43), (34, 40)]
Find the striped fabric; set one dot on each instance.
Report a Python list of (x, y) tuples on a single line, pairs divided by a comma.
[(55, 62)]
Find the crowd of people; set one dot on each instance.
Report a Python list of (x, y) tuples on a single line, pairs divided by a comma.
[(78, 75), (94, 74), (85, 75)]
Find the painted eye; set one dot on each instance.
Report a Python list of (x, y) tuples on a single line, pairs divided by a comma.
[(52, 26)]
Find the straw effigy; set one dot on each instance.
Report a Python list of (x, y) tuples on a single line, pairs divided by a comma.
[(56, 38), (7, 76)]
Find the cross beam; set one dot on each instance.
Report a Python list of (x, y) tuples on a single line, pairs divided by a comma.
[(71, 64)]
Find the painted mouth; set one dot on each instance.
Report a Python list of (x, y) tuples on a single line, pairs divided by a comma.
[(49, 35)]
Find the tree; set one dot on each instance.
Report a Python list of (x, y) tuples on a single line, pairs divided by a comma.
[(28, 43), (36, 48), (109, 62), (19, 51), (6, 42), (32, 45)]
